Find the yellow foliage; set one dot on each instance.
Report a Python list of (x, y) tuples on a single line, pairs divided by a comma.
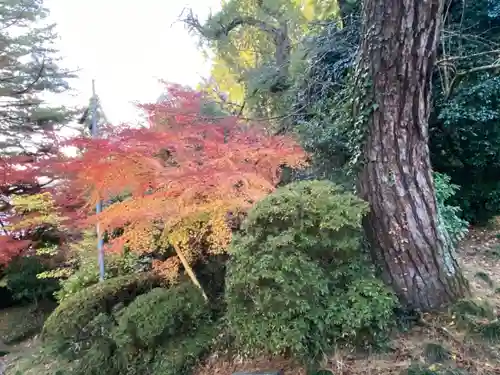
[(220, 234), (206, 229), (35, 210), (168, 269), (199, 236), (225, 81), (140, 237), (308, 8), (314, 10), (249, 47)]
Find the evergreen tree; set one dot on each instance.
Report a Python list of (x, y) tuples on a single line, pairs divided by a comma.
[(28, 68)]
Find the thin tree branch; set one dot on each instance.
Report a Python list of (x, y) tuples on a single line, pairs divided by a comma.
[(460, 75), (455, 58), (193, 23), (35, 80), (4, 228), (189, 270)]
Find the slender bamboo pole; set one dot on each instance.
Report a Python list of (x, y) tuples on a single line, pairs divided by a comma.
[(98, 208)]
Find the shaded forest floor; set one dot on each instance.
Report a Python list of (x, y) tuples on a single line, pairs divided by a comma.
[(448, 343)]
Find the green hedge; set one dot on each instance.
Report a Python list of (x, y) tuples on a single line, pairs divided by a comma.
[(69, 320), (22, 322), (178, 356), (161, 314), (298, 280), (163, 331)]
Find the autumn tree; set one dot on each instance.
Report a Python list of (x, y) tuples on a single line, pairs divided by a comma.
[(184, 168), (393, 92), (256, 50), (29, 74)]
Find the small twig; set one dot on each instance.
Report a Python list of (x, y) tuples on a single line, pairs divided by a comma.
[(460, 75), (454, 58)]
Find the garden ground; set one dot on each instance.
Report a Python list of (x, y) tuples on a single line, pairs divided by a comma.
[(437, 342)]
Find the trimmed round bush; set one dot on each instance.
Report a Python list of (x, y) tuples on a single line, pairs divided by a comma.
[(87, 273), (69, 320), (316, 218), (176, 356), (164, 331), (278, 303), (297, 280), (183, 352), (161, 314)]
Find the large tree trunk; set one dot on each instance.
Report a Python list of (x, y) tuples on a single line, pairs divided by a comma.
[(394, 76)]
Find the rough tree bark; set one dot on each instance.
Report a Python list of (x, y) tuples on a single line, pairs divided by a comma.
[(394, 75)]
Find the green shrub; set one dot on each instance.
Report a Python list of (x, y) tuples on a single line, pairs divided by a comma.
[(68, 322), (95, 353), (158, 330), (277, 303), (176, 357), (165, 331), (161, 314), (78, 281), (453, 227), (21, 278), (21, 322), (317, 218), (297, 280), (465, 139), (87, 271), (180, 355), (88, 274), (363, 310)]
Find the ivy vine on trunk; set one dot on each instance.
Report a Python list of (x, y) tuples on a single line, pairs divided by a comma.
[(394, 70)]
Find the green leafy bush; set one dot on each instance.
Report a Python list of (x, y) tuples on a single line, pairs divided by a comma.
[(164, 331), (180, 355), (297, 280), (86, 269), (94, 353), (465, 142), (81, 279), (22, 322), (161, 314), (454, 227), (21, 278), (177, 356), (88, 273), (68, 322)]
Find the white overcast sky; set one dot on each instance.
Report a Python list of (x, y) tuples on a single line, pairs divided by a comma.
[(127, 45)]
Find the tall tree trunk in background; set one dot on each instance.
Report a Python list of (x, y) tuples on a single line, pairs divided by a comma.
[(394, 74)]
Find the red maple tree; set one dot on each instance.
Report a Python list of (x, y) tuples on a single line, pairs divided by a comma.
[(184, 163), (29, 173)]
